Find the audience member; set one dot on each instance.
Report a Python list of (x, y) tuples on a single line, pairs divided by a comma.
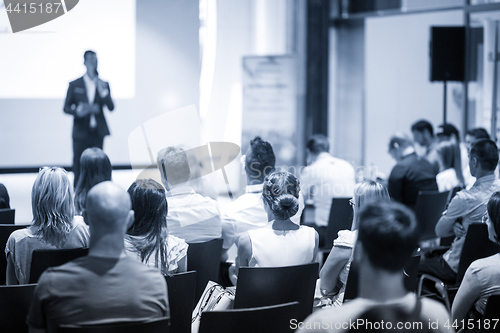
[(4, 197), (387, 238), (105, 286), (411, 173), (54, 224), (423, 134), (247, 212), (335, 271), (467, 207), (471, 136), (324, 178), (148, 236), (281, 242), (482, 278), (447, 133), (447, 179), (191, 216), (95, 167)]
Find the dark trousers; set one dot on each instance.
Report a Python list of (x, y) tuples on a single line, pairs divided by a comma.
[(436, 266), (79, 145)]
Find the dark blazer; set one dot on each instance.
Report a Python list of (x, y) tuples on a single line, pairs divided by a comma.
[(409, 176), (77, 93)]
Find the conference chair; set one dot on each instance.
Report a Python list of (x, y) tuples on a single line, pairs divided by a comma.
[(14, 306), (428, 210), (204, 258), (491, 315), (5, 231), (181, 288), (151, 326), (7, 215), (267, 319), (476, 246), (340, 218), (43, 259), (263, 286)]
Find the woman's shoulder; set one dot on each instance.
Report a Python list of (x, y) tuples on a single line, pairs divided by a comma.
[(20, 234), (345, 238)]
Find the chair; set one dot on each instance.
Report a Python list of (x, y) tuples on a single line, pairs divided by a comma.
[(491, 313), (262, 286), (267, 319), (7, 215), (410, 272), (340, 218), (5, 231), (152, 326), (476, 246), (43, 259), (428, 209), (181, 288), (14, 306), (204, 258)]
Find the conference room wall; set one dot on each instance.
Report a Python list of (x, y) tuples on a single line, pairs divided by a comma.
[(36, 132)]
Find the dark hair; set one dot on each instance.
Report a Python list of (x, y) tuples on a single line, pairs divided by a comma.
[(149, 204), (422, 125), (486, 151), (478, 133), (87, 53), (281, 193), (261, 160), (95, 168), (494, 211), (318, 143), (389, 234), (450, 157), (4, 197)]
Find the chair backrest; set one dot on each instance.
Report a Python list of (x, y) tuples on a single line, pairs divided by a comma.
[(491, 313), (267, 319), (204, 258), (476, 246), (14, 306), (428, 209), (43, 259), (181, 288), (5, 231), (340, 218), (410, 272), (263, 286), (151, 326), (7, 215)]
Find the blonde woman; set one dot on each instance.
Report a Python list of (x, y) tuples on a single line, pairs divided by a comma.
[(334, 273), (53, 227)]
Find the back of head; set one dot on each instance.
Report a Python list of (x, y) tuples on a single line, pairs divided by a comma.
[(478, 133), (52, 205), (494, 212), (447, 152), (260, 159), (281, 194), (149, 204), (421, 126), (174, 166), (399, 140), (369, 191), (447, 131), (107, 210), (95, 167), (486, 151), (318, 143), (388, 233)]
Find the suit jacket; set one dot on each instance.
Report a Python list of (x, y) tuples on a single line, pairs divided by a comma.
[(409, 176), (77, 92)]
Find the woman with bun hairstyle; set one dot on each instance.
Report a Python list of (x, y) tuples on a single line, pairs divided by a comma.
[(281, 242)]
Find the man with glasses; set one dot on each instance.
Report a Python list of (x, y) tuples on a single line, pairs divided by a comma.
[(468, 206)]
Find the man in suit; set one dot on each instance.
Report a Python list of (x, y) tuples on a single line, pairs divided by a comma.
[(85, 100), (411, 173)]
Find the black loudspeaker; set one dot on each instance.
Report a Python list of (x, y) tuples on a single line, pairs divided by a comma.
[(447, 51)]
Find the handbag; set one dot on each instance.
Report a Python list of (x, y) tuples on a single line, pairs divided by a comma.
[(214, 298)]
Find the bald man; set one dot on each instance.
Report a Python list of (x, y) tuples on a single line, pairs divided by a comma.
[(106, 285)]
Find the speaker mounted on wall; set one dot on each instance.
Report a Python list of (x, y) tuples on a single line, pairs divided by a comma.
[(447, 54)]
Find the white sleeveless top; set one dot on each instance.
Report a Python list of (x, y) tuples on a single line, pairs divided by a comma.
[(274, 248)]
